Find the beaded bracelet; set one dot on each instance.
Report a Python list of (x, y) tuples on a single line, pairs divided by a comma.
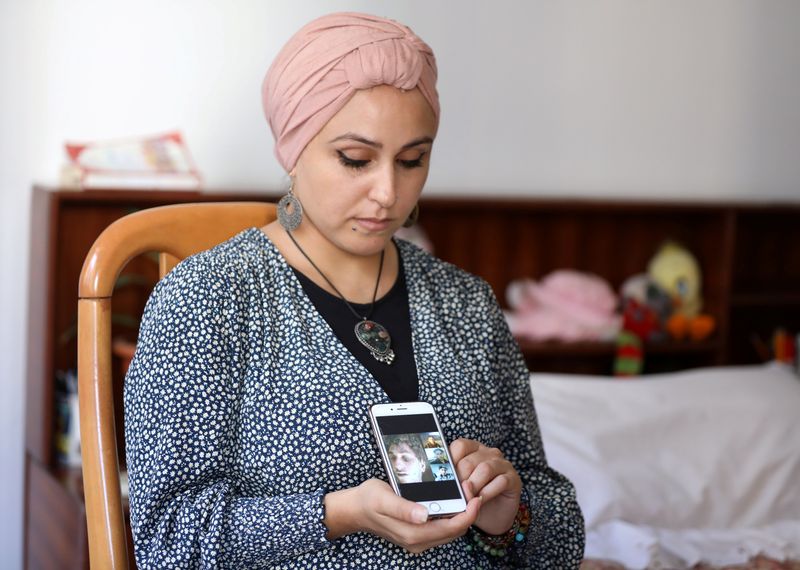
[(498, 544)]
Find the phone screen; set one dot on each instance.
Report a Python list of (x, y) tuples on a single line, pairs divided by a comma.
[(418, 457)]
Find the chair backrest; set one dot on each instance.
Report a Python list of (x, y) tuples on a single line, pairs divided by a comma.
[(175, 232)]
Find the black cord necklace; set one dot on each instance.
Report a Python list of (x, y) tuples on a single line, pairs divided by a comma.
[(369, 333)]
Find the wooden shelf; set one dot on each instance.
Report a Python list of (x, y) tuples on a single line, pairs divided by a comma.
[(779, 299), (602, 349), (71, 478), (64, 225)]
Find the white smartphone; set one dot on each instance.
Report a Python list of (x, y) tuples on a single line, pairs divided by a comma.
[(416, 456)]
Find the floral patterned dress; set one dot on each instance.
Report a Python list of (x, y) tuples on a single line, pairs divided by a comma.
[(242, 409)]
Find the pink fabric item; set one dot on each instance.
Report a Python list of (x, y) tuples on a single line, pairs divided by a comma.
[(326, 61), (567, 305)]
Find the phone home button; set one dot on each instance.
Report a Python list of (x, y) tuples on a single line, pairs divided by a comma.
[(435, 507)]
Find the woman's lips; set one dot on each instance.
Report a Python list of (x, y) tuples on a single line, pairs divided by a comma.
[(374, 224)]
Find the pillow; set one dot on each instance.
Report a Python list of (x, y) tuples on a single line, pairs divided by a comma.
[(706, 448)]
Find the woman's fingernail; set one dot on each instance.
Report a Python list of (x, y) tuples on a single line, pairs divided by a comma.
[(420, 515)]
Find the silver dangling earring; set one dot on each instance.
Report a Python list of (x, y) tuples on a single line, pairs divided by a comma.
[(412, 217), (290, 211)]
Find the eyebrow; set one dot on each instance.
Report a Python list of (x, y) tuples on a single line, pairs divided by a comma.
[(376, 144)]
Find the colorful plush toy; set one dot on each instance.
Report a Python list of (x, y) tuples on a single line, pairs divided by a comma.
[(663, 303), (676, 271), (630, 354), (566, 305), (641, 321), (645, 307)]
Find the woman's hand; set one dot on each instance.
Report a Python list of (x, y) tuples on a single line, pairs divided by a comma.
[(375, 508), (485, 472)]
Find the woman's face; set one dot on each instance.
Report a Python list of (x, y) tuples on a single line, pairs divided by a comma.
[(361, 176)]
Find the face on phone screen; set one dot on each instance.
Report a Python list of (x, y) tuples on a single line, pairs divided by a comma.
[(418, 457)]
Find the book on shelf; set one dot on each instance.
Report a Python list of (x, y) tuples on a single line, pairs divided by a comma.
[(156, 162)]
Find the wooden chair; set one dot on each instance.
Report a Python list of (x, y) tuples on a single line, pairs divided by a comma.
[(175, 232)]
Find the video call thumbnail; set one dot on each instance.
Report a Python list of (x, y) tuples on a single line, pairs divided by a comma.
[(418, 457), (411, 443)]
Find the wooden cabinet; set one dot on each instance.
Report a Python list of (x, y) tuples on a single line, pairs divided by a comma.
[(749, 254), (64, 224)]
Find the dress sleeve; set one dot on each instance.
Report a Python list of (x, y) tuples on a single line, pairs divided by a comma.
[(556, 537), (182, 398)]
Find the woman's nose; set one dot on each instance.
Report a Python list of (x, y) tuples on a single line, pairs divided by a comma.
[(384, 188)]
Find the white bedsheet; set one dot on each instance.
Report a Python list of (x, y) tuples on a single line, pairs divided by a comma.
[(673, 469), (640, 546)]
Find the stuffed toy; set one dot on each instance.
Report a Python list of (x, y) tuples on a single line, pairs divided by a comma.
[(641, 320), (630, 354), (566, 305), (644, 307), (663, 303), (676, 271)]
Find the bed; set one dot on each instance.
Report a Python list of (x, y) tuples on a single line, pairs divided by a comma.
[(696, 469)]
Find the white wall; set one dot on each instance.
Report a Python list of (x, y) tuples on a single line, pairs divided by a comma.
[(654, 99)]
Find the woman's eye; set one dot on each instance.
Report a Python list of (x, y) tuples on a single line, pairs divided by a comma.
[(361, 163), (415, 163), (351, 162)]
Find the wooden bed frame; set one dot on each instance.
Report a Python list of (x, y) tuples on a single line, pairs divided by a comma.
[(749, 255)]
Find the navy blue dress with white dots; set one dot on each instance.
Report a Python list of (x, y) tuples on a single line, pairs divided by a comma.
[(243, 408)]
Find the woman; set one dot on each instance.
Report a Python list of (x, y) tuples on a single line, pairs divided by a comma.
[(248, 439)]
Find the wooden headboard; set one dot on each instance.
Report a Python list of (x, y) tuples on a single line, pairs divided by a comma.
[(749, 255)]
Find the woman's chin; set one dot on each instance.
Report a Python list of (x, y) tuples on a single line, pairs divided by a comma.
[(367, 244)]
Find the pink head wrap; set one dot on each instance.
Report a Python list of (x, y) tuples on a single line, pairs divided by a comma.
[(321, 67)]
